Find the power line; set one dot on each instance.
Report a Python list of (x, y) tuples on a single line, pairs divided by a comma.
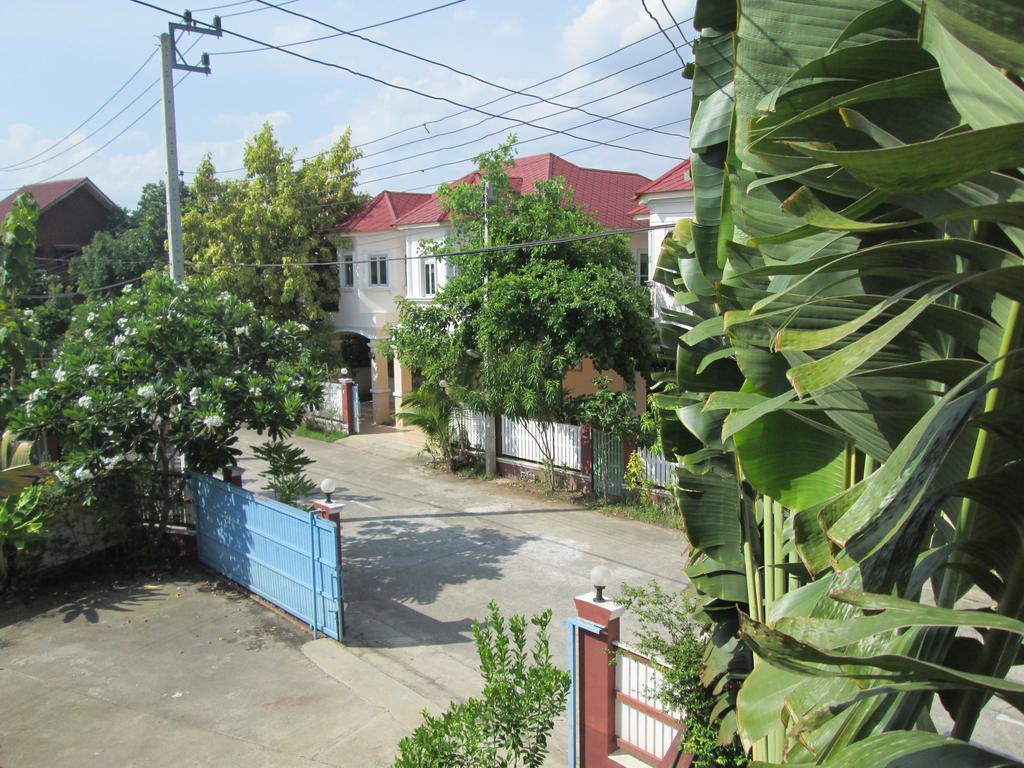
[(103, 146), (523, 106), (330, 37), (80, 293), (466, 252), (20, 164), (434, 62), (665, 33), (451, 115), (591, 142), (407, 89), (544, 117)]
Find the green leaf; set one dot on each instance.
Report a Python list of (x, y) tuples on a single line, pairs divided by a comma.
[(929, 165), (993, 28)]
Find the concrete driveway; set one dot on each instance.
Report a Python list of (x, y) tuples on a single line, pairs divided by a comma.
[(181, 671)]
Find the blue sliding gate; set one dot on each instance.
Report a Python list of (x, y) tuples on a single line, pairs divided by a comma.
[(284, 555)]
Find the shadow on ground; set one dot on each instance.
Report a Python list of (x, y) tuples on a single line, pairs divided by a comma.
[(397, 568)]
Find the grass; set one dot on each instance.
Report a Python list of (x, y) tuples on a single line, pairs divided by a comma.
[(648, 512), (318, 434)]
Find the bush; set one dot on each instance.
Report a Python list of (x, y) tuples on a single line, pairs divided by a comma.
[(285, 474), (510, 725), (673, 631)]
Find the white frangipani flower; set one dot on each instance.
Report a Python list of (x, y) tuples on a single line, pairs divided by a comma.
[(147, 391), (212, 422), (194, 394), (85, 401), (59, 375), (83, 473)]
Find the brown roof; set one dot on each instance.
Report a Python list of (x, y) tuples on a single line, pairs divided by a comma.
[(48, 193)]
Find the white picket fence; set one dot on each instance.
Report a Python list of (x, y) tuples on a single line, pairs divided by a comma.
[(333, 394), (473, 423), (659, 470), (522, 440), (641, 718)]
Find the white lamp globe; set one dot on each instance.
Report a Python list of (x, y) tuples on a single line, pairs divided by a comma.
[(328, 486), (600, 576)]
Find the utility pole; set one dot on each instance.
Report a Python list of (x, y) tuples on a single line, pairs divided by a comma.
[(170, 60), (490, 435)]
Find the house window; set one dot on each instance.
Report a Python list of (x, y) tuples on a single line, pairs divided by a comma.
[(378, 269), (348, 271), (642, 266), (429, 278)]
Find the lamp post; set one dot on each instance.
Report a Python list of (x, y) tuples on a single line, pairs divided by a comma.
[(599, 577), (328, 486)]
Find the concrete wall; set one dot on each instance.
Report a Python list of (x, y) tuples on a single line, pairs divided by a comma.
[(368, 309), (415, 239), (580, 381)]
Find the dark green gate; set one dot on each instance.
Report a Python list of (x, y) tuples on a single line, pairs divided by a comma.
[(609, 465)]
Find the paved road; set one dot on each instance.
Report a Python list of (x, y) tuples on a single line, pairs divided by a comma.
[(180, 672)]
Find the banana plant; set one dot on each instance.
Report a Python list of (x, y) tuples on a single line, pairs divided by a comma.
[(845, 409)]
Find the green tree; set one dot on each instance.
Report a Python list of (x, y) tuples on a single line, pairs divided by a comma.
[(509, 324), (17, 339), (509, 725), (846, 403), (167, 370), (282, 211), (137, 245)]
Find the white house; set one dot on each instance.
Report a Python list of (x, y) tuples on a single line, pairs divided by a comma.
[(662, 203), (383, 256)]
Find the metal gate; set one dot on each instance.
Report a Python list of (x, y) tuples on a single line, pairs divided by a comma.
[(609, 467), (286, 556)]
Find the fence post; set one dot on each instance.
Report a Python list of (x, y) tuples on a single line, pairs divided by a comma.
[(595, 694), (348, 406), (492, 441), (587, 454)]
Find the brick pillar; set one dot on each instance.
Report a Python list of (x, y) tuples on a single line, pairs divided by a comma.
[(348, 416), (233, 474), (596, 681), (628, 446), (331, 511)]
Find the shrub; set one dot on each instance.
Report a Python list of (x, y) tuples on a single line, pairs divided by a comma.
[(285, 474), (510, 724), (672, 631)]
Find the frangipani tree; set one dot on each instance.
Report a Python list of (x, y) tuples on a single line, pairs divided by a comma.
[(846, 405), (163, 370)]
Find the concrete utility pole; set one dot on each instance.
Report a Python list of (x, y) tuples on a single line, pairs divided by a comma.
[(490, 434), (168, 63)]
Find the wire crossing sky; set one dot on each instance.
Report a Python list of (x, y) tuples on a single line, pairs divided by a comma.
[(602, 81)]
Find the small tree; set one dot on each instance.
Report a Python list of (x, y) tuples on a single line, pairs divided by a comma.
[(167, 370), (509, 324), (285, 474), (17, 339), (509, 725)]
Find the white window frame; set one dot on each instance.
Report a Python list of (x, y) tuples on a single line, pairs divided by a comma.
[(643, 277), (348, 271), (429, 277), (376, 261)]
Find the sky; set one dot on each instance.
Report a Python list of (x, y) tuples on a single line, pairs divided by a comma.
[(62, 59)]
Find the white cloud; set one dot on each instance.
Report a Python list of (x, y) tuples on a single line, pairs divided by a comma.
[(608, 24)]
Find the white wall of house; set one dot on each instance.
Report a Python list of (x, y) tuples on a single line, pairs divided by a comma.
[(666, 208), (423, 274), (368, 306)]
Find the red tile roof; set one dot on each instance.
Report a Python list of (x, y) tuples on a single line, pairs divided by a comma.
[(675, 179), (381, 213), (607, 195), (50, 192)]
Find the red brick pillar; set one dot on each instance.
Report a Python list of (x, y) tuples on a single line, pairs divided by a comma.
[(233, 474), (348, 415), (628, 446), (332, 512), (596, 682)]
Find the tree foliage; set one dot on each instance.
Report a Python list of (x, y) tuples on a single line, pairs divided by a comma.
[(166, 370), (846, 403), (17, 339), (508, 324), (136, 245), (509, 725), (282, 211)]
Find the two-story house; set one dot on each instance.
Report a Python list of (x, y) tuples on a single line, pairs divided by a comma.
[(382, 258)]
